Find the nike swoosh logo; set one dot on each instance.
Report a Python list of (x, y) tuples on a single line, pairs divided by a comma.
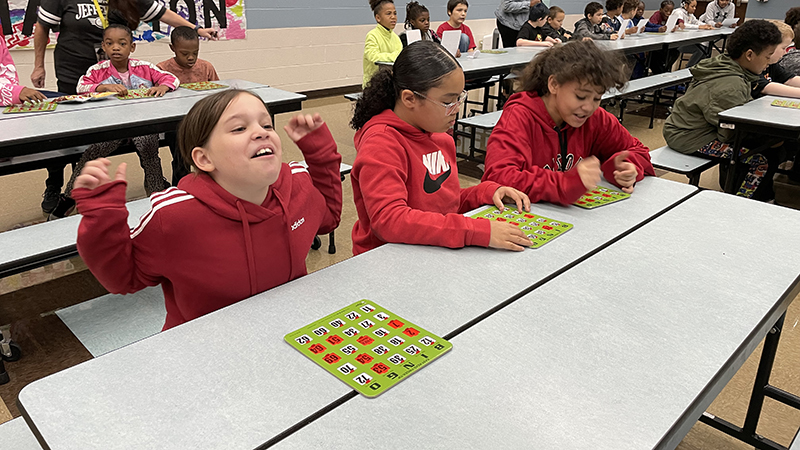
[(430, 186)]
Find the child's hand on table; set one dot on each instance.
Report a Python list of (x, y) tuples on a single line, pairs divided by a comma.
[(118, 88), (95, 174), (662, 29), (614, 37), (624, 172), (301, 125), (31, 95), (589, 171), (158, 91), (506, 194), (507, 236)]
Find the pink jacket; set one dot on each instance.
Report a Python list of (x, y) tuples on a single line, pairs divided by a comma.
[(9, 80), (142, 75)]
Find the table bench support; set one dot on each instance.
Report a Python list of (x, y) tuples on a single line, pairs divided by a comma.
[(761, 389)]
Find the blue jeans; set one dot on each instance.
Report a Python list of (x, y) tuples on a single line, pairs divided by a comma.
[(463, 45)]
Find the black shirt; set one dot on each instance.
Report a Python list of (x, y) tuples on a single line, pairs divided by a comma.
[(531, 33), (774, 74), (81, 32)]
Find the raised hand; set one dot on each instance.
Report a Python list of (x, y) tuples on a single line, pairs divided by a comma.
[(95, 174), (302, 124)]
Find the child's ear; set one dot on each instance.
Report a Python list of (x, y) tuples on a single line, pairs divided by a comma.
[(133, 47), (408, 98), (202, 160), (749, 54), (171, 48), (552, 84)]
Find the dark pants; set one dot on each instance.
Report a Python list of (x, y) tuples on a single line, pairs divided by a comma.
[(507, 35), (55, 174), (180, 167)]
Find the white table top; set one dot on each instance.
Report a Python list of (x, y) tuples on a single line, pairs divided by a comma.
[(629, 359), (16, 435), (227, 380), (642, 42), (56, 235), (23, 132), (493, 63), (761, 112)]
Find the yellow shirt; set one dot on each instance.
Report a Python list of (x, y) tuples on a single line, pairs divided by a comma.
[(381, 44)]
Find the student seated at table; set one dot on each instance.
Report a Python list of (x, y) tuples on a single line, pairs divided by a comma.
[(532, 34), (185, 43), (613, 11), (688, 21), (790, 62), (457, 12), (553, 142), (241, 225), (405, 178), (553, 28), (592, 26), (381, 43), (717, 11), (118, 74), (662, 60), (11, 92), (418, 18), (721, 83), (776, 80), (636, 60), (639, 13)]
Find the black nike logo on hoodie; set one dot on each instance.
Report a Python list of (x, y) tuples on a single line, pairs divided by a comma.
[(430, 186)]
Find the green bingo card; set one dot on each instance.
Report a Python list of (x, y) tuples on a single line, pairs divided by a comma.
[(135, 93), (368, 347), (31, 107), (539, 229), (203, 86), (600, 196), (786, 103)]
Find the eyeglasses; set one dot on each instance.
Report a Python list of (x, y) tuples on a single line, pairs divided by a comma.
[(449, 108)]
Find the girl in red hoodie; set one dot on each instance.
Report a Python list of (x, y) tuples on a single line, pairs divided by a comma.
[(243, 224), (552, 141), (405, 179)]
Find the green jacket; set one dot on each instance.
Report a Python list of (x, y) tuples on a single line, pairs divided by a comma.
[(381, 44), (719, 83)]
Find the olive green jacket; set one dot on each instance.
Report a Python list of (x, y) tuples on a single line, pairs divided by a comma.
[(718, 84)]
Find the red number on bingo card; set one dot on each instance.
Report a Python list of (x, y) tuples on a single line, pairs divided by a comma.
[(547, 227), (317, 348), (529, 216), (411, 332), (514, 223), (394, 323), (380, 368), (331, 358), (364, 358), (500, 219), (365, 340), (334, 340)]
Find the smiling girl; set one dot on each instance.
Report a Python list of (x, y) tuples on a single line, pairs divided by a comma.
[(243, 224), (553, 141), (405, 178)]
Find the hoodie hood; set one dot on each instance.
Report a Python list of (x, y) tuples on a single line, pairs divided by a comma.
[(227, 205), (718, 67), (388, 118)]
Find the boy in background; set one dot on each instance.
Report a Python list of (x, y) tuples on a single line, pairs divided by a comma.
[(613, 11), (554, 26), (721, 83), (189, 69), (457, 10), (591, 26)]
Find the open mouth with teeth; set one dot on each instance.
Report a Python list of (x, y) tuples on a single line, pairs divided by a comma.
[(263, 152)]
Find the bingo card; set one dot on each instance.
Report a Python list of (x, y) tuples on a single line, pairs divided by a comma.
[(135, 93), (600, 196), (368, 347), (539, 229), (786, 103), (31, 107), (203, 86)]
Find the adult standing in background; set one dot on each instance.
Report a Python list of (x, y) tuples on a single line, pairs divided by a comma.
[(511, 16), (80, 26)]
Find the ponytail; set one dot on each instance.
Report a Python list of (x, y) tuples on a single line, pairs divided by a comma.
[(419, 67), (413, 10)]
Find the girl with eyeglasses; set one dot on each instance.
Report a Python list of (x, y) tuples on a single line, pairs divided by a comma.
[(405, 179)]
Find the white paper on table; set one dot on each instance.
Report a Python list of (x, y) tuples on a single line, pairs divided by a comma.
[(450, 40), (623, 27), (474, 54), (642, 24), (672, 22), (729, 22), (413, 36)]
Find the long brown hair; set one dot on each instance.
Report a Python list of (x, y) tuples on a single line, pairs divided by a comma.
[(195, 129)]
